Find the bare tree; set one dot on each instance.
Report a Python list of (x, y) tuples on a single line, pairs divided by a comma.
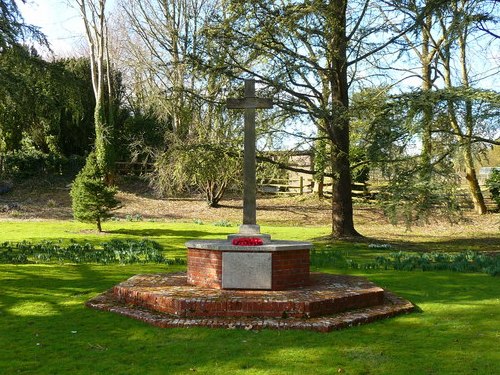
[(160, 38), (96, 30), (162, 52)]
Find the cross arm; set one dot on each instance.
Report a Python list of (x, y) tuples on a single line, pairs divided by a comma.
[(248, 103)]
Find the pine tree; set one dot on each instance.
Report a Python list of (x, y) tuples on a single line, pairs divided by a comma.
[(92, 199)]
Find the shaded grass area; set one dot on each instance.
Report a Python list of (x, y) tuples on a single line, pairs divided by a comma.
[(480, 233), (45, 328)]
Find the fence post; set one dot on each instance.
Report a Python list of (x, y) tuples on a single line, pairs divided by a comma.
[(301, 184)]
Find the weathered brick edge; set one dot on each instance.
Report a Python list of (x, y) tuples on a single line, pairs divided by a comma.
[(392, 306)]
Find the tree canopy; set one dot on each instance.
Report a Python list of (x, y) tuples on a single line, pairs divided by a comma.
[(13, 29)]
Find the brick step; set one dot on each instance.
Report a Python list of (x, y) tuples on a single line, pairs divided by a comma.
[(392, 305), (324, 295)]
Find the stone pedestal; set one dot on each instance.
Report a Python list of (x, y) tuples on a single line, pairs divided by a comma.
[(276, 265)]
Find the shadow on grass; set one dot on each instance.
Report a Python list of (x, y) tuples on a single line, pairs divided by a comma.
[(486, 244), (161, 232), (453, 335)]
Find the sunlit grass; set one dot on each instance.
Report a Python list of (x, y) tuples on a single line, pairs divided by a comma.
[(171, 236), (454, 334), (45, 328)]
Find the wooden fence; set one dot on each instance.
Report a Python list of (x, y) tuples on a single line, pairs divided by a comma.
[(301, 185), (362, 191)]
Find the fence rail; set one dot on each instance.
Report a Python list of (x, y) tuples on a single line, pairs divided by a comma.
[(303, 185), (363, 191)]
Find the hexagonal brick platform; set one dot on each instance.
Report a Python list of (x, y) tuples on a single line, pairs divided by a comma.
[(328, 302)]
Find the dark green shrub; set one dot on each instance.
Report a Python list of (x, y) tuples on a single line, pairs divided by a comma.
[(31, 162), (92, 199), (466, 261)]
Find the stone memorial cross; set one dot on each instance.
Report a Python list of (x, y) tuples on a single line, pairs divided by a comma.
[(249, 103)]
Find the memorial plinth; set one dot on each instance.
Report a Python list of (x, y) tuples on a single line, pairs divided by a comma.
[(248, 280), (251, 287), (275, 265)]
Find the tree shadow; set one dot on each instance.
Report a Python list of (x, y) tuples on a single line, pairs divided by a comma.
[(161, 232), (490, 244), (73, 337)]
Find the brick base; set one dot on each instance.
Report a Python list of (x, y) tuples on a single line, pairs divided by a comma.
[(289, 269), (204, 268)]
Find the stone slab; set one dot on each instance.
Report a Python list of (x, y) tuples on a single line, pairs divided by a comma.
[(225, 245), (246, 270)]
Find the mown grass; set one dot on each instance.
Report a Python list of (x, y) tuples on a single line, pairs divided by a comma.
[(171, 236), (45, 328)]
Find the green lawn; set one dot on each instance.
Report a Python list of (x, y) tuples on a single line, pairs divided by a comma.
[(171, 236), (45, 328)]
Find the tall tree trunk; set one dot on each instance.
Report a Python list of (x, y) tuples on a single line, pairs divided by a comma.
[(463, 139), (471, 176), (98, 222), (101, 134), (342, 209), (426, 152), (320, 163), (473, 183), (470, 171), (94, 19), (427, 116), (338, 126)]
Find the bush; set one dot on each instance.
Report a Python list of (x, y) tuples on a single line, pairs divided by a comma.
[(27, 163), (92, 199), (31, 162), (208, 168), (493, 184)]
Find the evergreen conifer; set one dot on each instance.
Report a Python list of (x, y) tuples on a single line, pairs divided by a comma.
[(92, 199)]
